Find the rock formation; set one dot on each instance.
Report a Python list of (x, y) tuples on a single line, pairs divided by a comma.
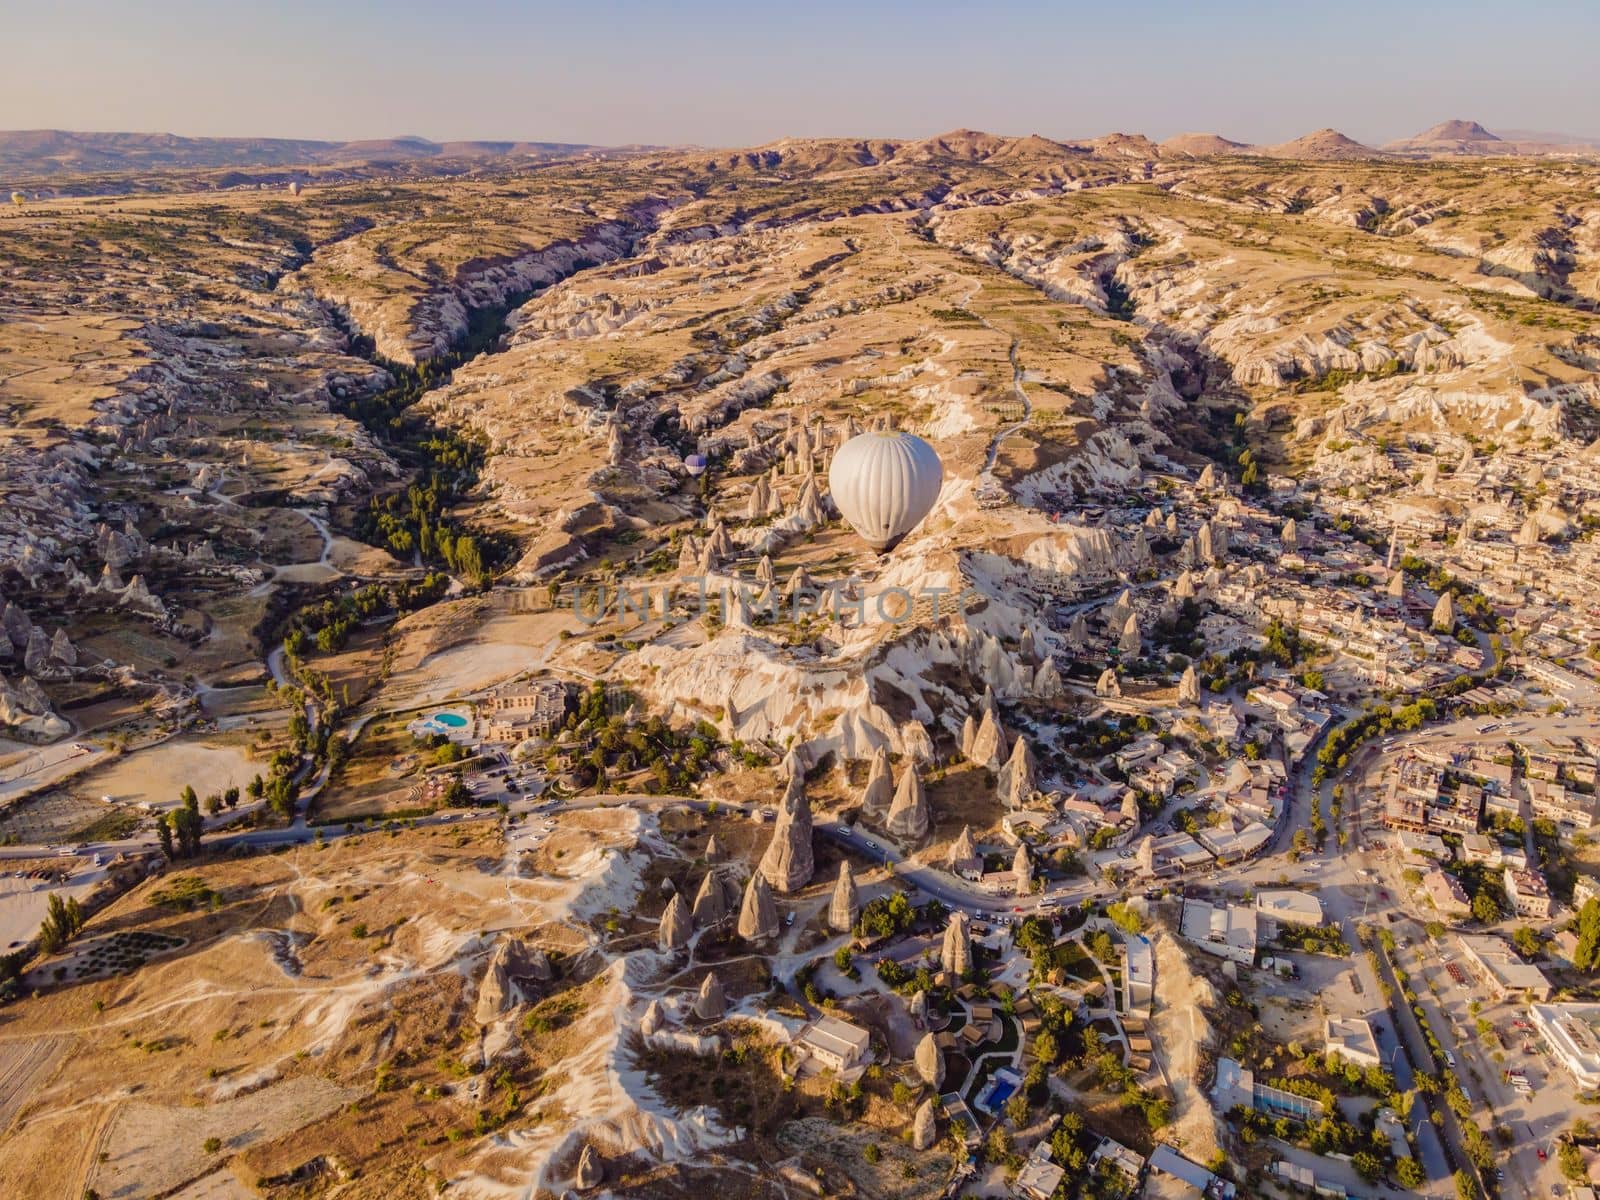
[(710, 906), (62, 651), (879, 793), (969, 734), (512, 965), (955, 954), (930, 1061), (962, 849), (26, 709), (1107, 686), (915, 742), (1208, 477), (924, 1127), (1189, 686), (591, 1171), (714, 852), (845, 906), (988, 744), (1046, 681), (1022, 869), (710, 1004), (758, 912), (788, 862), (1444, 613), (1130, 642), (653, 1018), (1290, 537), (1397, 586), (1078, 632), (1146, 855), (677, 925), (1018, 778), (909, 816), (760, 499)]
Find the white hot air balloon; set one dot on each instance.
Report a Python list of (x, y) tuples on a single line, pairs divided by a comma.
[(695, 464), (294, 187), (884, 483)]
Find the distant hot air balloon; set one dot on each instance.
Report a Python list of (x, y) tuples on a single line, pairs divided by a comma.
[(884, 483), (18, 198), (294, 187), (696, 464)]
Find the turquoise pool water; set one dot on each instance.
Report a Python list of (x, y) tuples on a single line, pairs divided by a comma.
[(449, 720)]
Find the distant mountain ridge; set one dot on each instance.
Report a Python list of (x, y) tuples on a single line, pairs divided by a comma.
[(1457, 137), (47, 150)]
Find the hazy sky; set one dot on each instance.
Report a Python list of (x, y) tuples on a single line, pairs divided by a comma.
[(723, 73)]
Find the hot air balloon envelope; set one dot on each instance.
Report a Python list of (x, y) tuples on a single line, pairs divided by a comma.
[(696, 463), (884, 483)]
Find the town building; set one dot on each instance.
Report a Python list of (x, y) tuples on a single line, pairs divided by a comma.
[(1168, 1161), (1572, 1031), (1289, 907), (1040, 1176), (527, 708), (1114, 1154), (1528, 893), (837, 1045), (1352, 1039), (1500, 970), (1446, 893), (1139, 974), (1228, 931)]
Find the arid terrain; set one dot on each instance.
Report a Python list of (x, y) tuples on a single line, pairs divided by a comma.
[(434, 659)]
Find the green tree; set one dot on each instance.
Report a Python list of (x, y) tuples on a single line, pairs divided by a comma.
[(1410, 1174), (1046, 1047), (1587, 955), (1467, 1186), (1125, 918), (1572, 1163), (1484, 908), (186, 830), (1017, 1109), (469, 560), (164, 832), (1368, 1165), (63, 919)]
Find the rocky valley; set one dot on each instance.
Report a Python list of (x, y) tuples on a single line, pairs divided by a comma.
[(458, 738)]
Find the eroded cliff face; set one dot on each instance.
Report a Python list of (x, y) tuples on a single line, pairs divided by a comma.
[(1063, 321), (415, 325)]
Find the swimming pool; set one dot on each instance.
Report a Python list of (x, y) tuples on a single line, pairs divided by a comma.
[(449, 720)]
